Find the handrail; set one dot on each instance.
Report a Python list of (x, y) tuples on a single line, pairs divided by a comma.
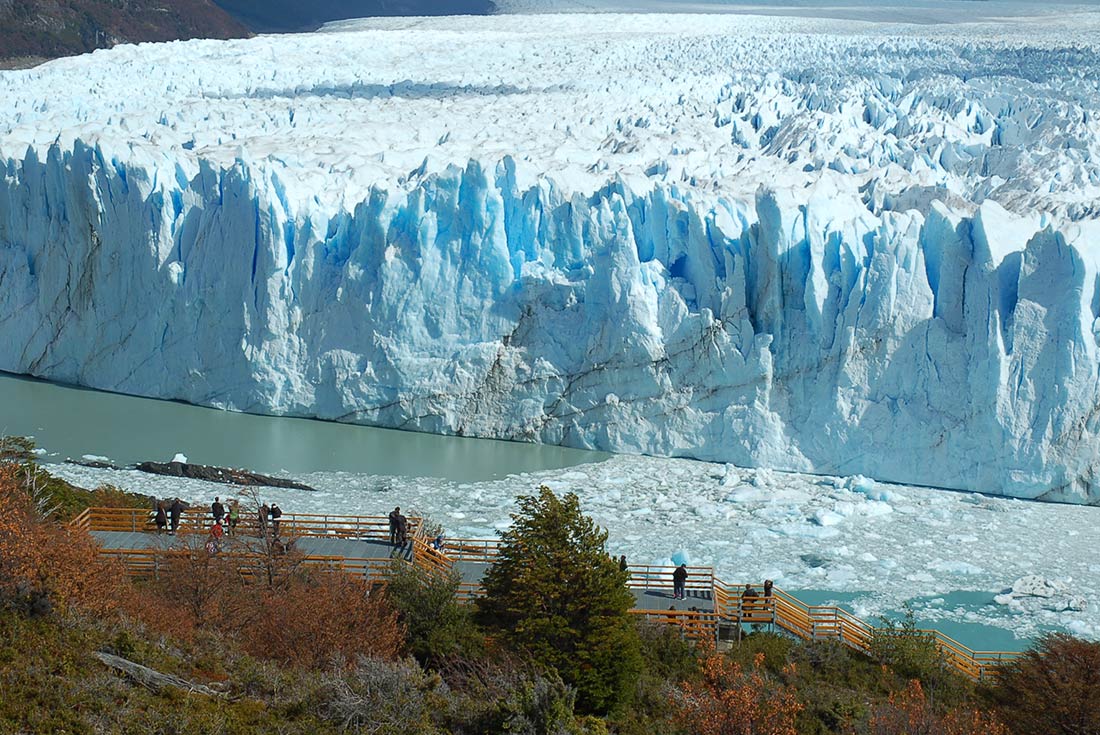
[(781, 609), (200, 520)]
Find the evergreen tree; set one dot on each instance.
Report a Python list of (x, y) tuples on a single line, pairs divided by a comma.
[(554, 592)]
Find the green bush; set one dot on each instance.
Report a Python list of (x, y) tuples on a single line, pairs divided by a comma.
[(437, 626), (912, 654), (554, 592)]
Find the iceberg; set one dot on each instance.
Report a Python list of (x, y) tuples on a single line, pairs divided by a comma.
[(892, 271)]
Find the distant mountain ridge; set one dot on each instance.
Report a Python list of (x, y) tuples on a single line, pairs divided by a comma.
[(45, 29), (53, 28), (280, 16)]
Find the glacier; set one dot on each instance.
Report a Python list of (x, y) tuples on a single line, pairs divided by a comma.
[(798, 243)]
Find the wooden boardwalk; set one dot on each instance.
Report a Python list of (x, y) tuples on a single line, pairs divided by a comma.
[(360, 545)]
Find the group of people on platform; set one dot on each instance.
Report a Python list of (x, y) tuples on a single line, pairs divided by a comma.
[(399, 528), (751, 600), (167, 513)]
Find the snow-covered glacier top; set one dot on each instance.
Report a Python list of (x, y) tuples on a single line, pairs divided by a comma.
[(715, 103), (811, 244)]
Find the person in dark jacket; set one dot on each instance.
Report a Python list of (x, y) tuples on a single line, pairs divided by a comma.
[(174, 512), (748, 601), (217, 510), (622, 563), (161, 517), (276, 514), (394, 515), (402, 530), (679, 582)]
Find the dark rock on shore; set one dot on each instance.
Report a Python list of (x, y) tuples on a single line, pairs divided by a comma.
[(218, 474)]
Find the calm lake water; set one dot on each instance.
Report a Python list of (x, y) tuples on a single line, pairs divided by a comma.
[(73, 422)]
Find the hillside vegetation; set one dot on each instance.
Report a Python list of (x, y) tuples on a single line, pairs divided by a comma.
[(211, 647), (42, 29)]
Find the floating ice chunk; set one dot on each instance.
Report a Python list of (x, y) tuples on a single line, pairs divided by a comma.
[(866, 486), (681, 557), (1083, 629), (806, 530), (180, 457), (955, 567), (845, 509), (827, 518), (1036, 594), (876, 508), (98, 458), (746, 494), (708, 510)]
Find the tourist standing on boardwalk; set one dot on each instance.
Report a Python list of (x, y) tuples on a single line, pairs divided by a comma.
[(622, 563), (217, 531), (276, 514), (402, 530), (264, 513), (174, 512), (679, 582), (748, 600), (394, 515), (234, 514), (161, 517), (217, 510)]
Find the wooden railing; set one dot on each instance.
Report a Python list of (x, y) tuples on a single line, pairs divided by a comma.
[(692, 624), (199, 520), (475, 550), (728, 606), (149, 563)]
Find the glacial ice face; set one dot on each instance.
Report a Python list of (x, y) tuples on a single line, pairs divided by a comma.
[(794, 269)]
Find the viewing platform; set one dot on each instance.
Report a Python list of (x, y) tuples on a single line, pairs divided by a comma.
[(360, 545)]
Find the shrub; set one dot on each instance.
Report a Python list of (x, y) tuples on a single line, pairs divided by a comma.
[(437, 626), (554, 592), (304, 617), (319, 616), (909, 712), (1053, 688), (42, 564), (734, 700), (502, 694), (379, 696), (913, 654)]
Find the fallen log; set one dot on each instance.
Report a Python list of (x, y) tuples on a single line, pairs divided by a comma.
[(151, 679)]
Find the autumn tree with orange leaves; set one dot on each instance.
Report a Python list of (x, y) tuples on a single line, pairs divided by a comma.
[(733, 700), (909, 712), (42, 564)]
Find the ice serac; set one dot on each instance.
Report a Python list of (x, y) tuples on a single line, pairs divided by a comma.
[(797, 330)]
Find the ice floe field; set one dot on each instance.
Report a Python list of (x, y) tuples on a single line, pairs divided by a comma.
[(887, 543)]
